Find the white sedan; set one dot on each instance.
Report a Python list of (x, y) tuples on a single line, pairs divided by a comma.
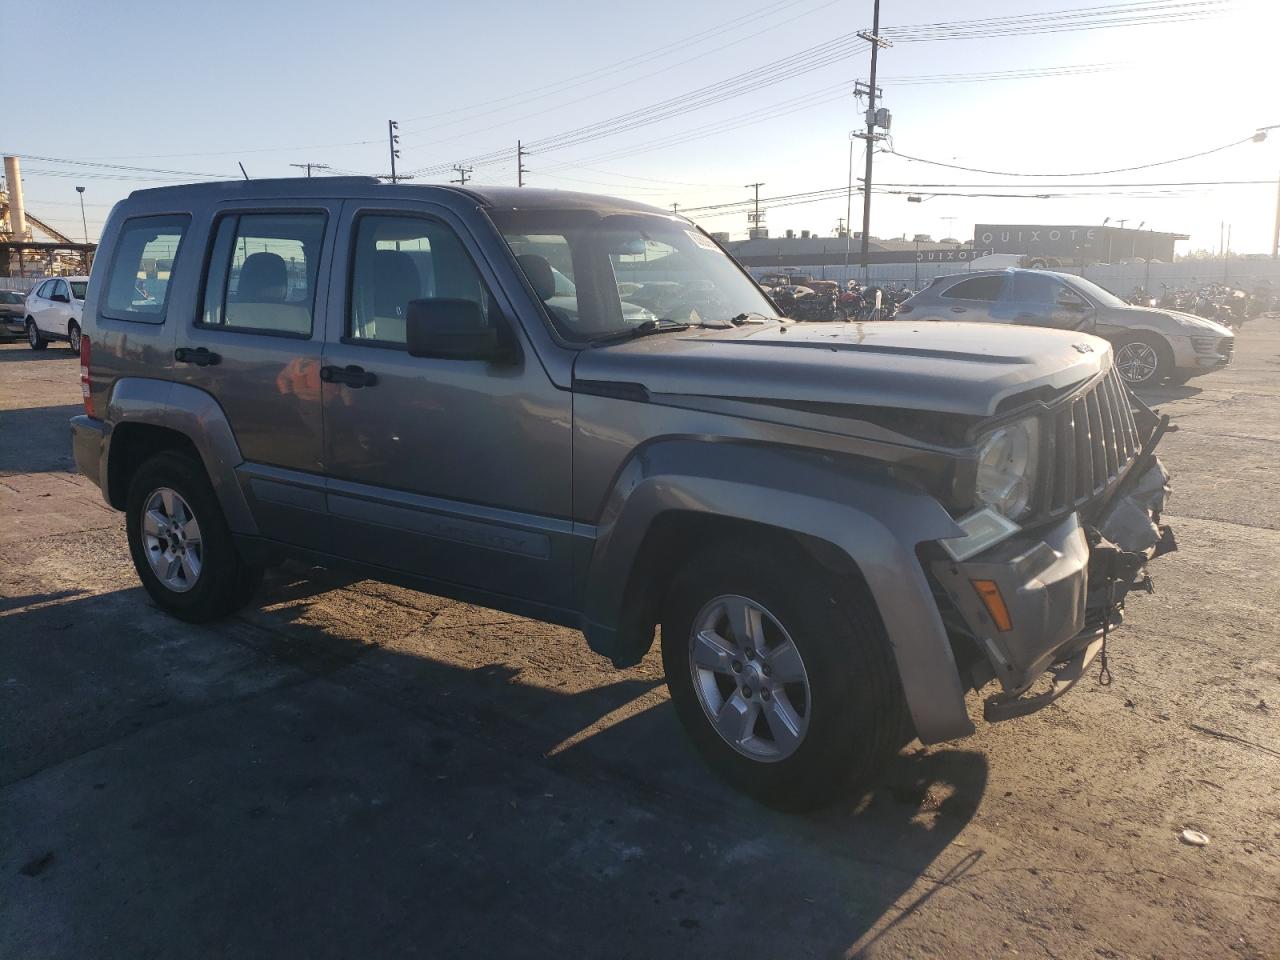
[(54, 311)]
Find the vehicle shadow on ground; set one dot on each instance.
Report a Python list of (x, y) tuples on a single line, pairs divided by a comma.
[(55, 351), (327, 796), (36, 439), (1166, 392)]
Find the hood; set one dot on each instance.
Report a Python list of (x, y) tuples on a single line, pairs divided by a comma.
[(1174, 320), (958, 368)]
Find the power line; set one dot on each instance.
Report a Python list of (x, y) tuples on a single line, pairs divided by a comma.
[(577, 79), (1082, 173)]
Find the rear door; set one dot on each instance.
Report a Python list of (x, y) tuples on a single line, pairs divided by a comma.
[(255, 344), (39, 306), (457, 470), (1027, 299), (973, 298)]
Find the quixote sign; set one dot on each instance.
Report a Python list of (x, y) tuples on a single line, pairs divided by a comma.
[(1063, 241)]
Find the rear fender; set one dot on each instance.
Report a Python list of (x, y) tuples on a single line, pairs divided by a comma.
[(873, 520), (197, 416)]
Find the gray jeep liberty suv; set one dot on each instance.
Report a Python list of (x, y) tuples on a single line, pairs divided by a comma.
[(581, 410)]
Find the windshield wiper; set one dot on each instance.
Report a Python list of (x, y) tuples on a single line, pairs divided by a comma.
[(752, 317), (642, 329)]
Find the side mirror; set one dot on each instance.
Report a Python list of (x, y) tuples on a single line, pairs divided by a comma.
[(450, 329), (60, 298)]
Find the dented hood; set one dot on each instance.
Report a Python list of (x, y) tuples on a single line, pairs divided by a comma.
[(962, 368)]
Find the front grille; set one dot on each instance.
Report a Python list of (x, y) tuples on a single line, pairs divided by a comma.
[(1091, 439)]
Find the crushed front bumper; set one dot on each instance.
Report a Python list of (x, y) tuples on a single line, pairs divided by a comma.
[(1040, 606)]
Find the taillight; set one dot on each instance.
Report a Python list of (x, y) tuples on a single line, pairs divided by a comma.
[(86, 384)]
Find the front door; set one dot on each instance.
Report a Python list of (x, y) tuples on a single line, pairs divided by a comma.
[(457, 470), (255, 344)]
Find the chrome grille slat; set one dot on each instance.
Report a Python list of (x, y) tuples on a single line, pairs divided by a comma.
[(1092, 439)]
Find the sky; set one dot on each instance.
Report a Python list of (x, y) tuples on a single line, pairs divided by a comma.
[(193, 88)]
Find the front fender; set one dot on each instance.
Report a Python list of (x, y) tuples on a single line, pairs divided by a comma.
[(874, 520), (197, 416)]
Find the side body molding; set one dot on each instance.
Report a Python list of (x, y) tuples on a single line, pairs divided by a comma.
[(874, 521), (196, 415)]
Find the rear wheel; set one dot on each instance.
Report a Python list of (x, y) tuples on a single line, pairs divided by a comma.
[(34, 337), (1142, 360), (181, 544), (787, 689), (73, 337)]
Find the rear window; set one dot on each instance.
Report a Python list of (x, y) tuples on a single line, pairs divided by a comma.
[(975, 288), (138, 280)]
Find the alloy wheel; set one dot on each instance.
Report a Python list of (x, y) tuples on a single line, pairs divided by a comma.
[(1137, 362), (749, 678), (171, 539), (33, 335)]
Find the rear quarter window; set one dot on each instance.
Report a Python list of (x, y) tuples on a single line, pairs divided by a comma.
[(142, 266)]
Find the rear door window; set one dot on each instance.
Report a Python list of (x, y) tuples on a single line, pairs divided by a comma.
[(975, 288), (262, 273), (1032, 288), (138, 279)]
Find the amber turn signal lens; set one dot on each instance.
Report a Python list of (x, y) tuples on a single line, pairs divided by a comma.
[(994, 602)]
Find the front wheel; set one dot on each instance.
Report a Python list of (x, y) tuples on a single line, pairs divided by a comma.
[(1142, 360), (785, 683), (180, 542), (34, 337)]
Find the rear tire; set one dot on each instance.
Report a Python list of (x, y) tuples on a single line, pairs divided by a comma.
[(853, 719), (73, 337), (206, 583), (34, 337)]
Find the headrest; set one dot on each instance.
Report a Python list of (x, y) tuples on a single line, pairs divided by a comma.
[(263, 278), (538, 269)]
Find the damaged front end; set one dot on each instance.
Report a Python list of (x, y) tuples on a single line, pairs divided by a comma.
[(1034, 611)]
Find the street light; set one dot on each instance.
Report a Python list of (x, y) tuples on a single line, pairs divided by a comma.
[(83, 221)]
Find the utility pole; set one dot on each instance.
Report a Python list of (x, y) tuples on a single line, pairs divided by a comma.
[(393, 139), (1275, 236), (310, 166), (464, 174), (83, 221), (675, 209), (520, 167), (754, 226), (871, 136)]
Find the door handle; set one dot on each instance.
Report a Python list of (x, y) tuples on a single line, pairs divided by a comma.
[(200, 356), (958, 309), (1027, 316), (351, 376)]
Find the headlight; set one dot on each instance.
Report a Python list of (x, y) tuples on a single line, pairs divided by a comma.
[(1007, 467)]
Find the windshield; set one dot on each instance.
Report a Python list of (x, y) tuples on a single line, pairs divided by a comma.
[(7, 297), (601, 274), (78, 287), (1091, 289)]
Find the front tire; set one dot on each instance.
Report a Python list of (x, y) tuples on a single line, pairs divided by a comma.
[(785, 684), (181, 545), (1143, 360), (34, 337)]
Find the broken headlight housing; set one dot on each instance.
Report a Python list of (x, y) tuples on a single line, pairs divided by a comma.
[(1007, 461)]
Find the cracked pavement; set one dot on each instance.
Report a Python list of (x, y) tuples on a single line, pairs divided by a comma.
[(352, 769)]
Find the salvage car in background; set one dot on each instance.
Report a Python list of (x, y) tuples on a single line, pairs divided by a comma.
[(1151, 344), (54, 312), (13, 313)]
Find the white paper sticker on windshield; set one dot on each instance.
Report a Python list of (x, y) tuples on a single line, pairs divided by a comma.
[(702, 240)]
